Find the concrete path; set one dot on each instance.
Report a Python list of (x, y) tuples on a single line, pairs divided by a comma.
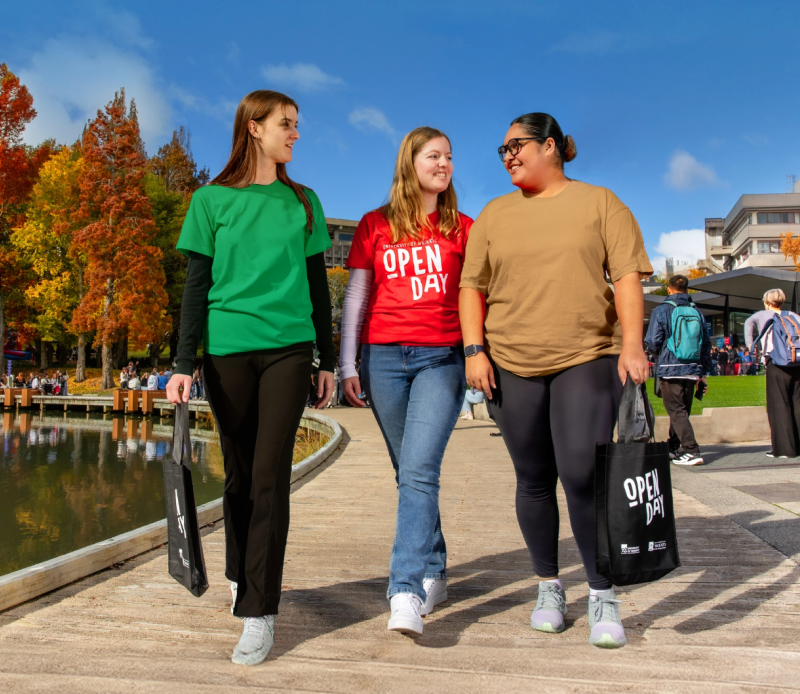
[(727, 621)]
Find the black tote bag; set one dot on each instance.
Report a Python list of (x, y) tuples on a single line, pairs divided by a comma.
[(635, 525), (186, 563)]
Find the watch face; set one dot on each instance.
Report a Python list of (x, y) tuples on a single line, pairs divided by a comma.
[(470, 351)]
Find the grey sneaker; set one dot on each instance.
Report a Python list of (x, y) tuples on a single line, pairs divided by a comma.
[(256, 640), (551, 607), (607, 629)]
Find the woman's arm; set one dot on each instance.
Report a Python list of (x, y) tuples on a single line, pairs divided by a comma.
[(323, 325), (480, 374), (354, 310), (193, 319), (629, 302)]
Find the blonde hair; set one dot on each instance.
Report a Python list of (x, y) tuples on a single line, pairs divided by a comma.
[(240, 171), (775, 297), (405, 210)]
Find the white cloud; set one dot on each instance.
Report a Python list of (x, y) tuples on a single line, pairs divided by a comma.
[(223, 109), (684, 245), (371, 118), (686, 173), (303, 77), (72, 77)]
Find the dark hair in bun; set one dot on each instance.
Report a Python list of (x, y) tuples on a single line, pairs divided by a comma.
[(543, 126)]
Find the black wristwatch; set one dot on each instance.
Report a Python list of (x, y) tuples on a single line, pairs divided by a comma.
[(472, 350)]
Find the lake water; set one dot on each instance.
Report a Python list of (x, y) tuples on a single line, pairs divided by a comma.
[(67, 482)]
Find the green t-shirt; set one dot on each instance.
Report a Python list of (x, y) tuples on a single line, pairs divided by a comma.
[(259, 241)]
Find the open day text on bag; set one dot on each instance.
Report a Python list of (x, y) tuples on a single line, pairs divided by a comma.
[(636, 540)]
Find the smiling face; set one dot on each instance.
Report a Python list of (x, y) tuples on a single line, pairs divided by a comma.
[(534, 162), (276, 134), (434, 165)]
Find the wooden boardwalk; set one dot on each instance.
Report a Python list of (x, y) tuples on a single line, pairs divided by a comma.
[(728, 621)]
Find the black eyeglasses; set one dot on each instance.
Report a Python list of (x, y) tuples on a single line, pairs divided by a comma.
[(513, 146)]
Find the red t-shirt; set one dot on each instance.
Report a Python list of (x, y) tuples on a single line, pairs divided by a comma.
[(414, 295)]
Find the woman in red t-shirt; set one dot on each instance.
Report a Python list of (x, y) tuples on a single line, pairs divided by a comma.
[(402, 304)]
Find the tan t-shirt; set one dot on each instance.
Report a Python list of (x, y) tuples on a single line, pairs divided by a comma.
[(542, 264)]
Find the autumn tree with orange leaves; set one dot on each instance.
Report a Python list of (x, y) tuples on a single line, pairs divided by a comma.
[(124, 278), (19, 166)]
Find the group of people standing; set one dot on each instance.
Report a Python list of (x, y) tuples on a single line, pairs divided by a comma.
[(131, 378), (435, 303), (733, 361)]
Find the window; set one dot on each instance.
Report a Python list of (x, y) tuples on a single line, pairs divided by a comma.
[(769, 246), (344, 237), (776, 217), (745, 253)]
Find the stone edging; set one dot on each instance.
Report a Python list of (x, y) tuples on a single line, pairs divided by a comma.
[(33, 581)]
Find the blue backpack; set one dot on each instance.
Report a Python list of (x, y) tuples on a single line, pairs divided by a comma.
[(785, 339), (686, 339)]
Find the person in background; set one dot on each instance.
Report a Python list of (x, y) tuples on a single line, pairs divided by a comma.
[(730, 366), (4, 382), (680, 379), (783, 384), (714, 357), (471, 397), (19, 381), (162, 381), (123, 379), (152, 381), (722, 361), (34, 382), (64, 383), (755, 323), (547, 350), (746, 363), (133, 382), (168, 373)]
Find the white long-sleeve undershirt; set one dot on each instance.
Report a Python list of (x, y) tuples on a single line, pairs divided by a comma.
[(354, 309)]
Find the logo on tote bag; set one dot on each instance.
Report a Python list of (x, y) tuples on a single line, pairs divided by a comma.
[(635, 491)]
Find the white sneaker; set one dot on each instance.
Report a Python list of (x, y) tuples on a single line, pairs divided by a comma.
[(256, 640), (436, 592), (688, 459), (406, 614), (234, 587)]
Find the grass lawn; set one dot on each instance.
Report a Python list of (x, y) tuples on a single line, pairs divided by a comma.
[(723, 391)]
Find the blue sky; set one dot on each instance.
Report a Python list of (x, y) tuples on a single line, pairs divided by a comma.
[(678, 107)]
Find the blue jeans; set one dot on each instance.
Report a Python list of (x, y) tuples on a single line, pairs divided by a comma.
[(416, 394)]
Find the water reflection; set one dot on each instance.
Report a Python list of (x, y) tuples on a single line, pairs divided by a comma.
[(68, 482)]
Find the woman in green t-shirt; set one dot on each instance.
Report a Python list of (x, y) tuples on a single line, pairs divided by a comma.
[(257, 293)]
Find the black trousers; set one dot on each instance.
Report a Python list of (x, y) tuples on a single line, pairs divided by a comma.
[(257, 399), (551, 425), (677, 394), (783, 408)]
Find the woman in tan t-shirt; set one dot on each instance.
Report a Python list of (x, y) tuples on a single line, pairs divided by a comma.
[(553, 364)]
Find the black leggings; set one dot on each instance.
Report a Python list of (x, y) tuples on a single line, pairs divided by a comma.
[(550, 425), (257, 399)]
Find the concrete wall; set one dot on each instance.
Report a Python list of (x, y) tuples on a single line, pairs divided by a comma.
[(715, 425)]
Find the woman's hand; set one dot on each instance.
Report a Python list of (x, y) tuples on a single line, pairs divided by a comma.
[(325, 383), (633, 361), (480, 374), (174, 386), (352, 389)]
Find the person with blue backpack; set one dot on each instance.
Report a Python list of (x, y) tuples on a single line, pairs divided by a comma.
[(780, 348), (678, 334)]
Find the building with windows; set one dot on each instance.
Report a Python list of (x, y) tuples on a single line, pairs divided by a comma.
[(341, 232), (750, 236)]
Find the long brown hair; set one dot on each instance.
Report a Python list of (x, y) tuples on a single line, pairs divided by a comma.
[(240, 171), (406, 207)]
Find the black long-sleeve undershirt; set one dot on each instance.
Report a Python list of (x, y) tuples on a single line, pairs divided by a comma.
[(195, 307)]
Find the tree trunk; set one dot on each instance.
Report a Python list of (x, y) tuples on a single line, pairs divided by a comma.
[(108, 379), (80, 367), (121, 353), (108, 376), (42, 355), (47, 352), (173, 345), (62, 353)]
